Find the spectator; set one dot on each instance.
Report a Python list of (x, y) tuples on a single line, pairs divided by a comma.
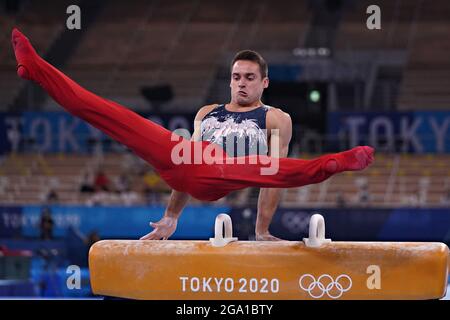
[(154, 186), (131, 163), (46, 224), (445, 199), (101, 182), (123, 183), (412, 200), (341, 202), (99, 198), (129, 197), (418, 198), (4, 182), (51, 197), (86, 184), (363, 196), (424, 184), (92, 238)]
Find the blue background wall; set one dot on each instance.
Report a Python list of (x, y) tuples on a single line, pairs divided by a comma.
[(197, 222)]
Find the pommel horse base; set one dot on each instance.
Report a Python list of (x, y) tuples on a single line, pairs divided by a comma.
[(224, 268)]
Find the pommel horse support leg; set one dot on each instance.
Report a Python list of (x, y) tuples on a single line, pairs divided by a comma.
[(224, 268)]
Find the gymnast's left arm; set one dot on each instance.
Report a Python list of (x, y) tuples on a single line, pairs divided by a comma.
[(279, 127)]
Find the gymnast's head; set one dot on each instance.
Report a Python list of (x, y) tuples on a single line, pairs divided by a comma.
[(248, 78)]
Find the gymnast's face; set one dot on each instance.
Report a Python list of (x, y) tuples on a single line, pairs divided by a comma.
[(247, 84)]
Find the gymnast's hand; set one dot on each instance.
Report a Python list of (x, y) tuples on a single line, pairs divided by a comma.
[(164, 228)]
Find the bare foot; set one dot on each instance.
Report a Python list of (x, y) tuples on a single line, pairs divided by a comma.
[(266, 237)]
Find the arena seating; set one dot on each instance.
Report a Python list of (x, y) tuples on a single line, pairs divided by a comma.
[(393, 180), (41, 25), (146, 43)]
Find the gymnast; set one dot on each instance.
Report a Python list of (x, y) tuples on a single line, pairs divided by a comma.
[(176, 159)]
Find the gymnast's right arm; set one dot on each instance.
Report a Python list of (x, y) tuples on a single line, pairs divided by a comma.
[(165, 227)]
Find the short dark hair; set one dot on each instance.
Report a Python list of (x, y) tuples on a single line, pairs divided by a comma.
[(253, 56)]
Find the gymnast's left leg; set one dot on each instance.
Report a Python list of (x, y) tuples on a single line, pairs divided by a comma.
[(147, 139), (213, 181)]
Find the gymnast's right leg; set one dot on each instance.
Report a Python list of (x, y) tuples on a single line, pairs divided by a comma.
[(147, 139)]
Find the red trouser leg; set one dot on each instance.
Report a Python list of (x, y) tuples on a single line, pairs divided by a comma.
[(154, 143), (216, 180), (147, 139)]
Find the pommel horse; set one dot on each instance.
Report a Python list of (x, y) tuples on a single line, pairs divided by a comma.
[(224, 268)]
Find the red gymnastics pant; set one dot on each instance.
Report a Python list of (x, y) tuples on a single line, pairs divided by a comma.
[(154, 144)]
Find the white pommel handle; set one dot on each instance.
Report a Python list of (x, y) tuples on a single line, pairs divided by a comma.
[(316, 232), (219, 240)]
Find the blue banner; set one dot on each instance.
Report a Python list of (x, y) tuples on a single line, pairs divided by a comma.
[(197, 222), (11, 222), (61, 132), (416, 132), (121, 222), (352, 224), (285, 72)]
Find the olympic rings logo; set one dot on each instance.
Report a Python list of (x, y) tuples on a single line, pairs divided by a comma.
[(296, 222), (325, 284)]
